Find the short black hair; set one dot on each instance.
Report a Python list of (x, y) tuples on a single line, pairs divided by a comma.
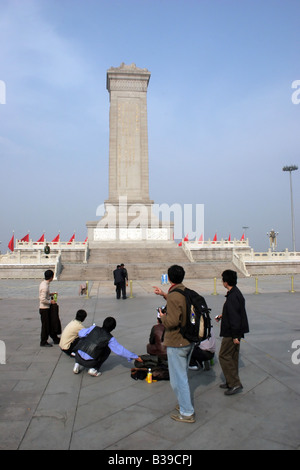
[(48, 274), (176, 274), (109, 324), (81, 315), (230, 277)]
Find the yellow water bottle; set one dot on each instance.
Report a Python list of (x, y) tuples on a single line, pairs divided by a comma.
[(149, 376)]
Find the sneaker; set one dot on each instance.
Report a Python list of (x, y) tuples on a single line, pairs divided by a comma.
[(46, 345), (77, 368), (184, 419), (94, 372), (193, 367)]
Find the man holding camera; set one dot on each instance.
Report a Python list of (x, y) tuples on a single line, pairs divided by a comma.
[(179, 349)]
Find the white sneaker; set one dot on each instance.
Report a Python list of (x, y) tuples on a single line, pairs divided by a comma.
[(77, 368), (94, 372)]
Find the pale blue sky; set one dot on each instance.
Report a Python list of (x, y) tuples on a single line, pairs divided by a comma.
[(221, 121)]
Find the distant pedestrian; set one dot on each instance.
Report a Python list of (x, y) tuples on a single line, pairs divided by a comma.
[(125, 274), (234, 325), (119, 281)]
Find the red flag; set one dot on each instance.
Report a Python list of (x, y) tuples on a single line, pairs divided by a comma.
[(85, 240), (186, 239), (25, 239), (215, 237), (243, 237), (229, 238), (71, 239), (201, 238), (11, 244), (56, 239), (42, 239)]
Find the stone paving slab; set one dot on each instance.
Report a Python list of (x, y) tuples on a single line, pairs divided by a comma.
[(43, 405)]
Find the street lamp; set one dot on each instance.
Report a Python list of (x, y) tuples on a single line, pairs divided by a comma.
[(290, 169)]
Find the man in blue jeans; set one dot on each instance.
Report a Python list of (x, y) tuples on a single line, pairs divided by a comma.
[(179, 349)]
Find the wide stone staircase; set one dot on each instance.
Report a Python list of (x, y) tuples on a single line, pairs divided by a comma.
[(144, 260)]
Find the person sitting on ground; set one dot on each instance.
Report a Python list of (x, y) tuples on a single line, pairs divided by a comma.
[(203, 352), (155, 346), (69, 337), (95, 345)]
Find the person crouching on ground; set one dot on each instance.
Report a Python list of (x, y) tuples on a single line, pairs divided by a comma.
[(95, 346), (69, 337), (203, 353)]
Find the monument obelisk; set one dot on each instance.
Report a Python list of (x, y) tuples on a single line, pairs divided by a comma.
[(128, 209)]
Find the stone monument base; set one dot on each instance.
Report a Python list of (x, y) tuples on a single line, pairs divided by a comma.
[(98, 233)]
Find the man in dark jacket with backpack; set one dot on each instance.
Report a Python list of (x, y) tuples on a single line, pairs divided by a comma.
[(233, 327)]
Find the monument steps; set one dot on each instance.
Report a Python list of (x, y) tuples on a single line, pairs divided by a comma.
[(140, 271), (145, 260)]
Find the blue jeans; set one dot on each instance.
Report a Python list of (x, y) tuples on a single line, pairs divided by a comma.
[(178, 361)]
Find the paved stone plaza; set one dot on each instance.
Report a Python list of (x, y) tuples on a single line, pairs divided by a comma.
[(45, 406)]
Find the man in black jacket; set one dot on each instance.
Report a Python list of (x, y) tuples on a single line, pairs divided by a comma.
[(119, 281), (233, 327)]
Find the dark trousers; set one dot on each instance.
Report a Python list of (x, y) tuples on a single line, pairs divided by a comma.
[(71, 347), (229, 362), (49, 328), (93, 363), (121, 287), (45, 320), (200, 356)]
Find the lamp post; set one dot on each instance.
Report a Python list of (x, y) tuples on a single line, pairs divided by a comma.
[(291, 168)]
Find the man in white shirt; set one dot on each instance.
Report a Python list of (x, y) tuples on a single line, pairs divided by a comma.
[(45, 302)]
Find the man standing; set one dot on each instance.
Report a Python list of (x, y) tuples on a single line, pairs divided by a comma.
[(179, 349), (233, 327), (125, 275), (119, 281), (45, 303)]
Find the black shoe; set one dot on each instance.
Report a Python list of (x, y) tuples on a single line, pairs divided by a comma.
[(224, 386), (233, 390), (46, 345)]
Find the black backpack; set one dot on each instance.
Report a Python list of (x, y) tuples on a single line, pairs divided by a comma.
[(198, 322)]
